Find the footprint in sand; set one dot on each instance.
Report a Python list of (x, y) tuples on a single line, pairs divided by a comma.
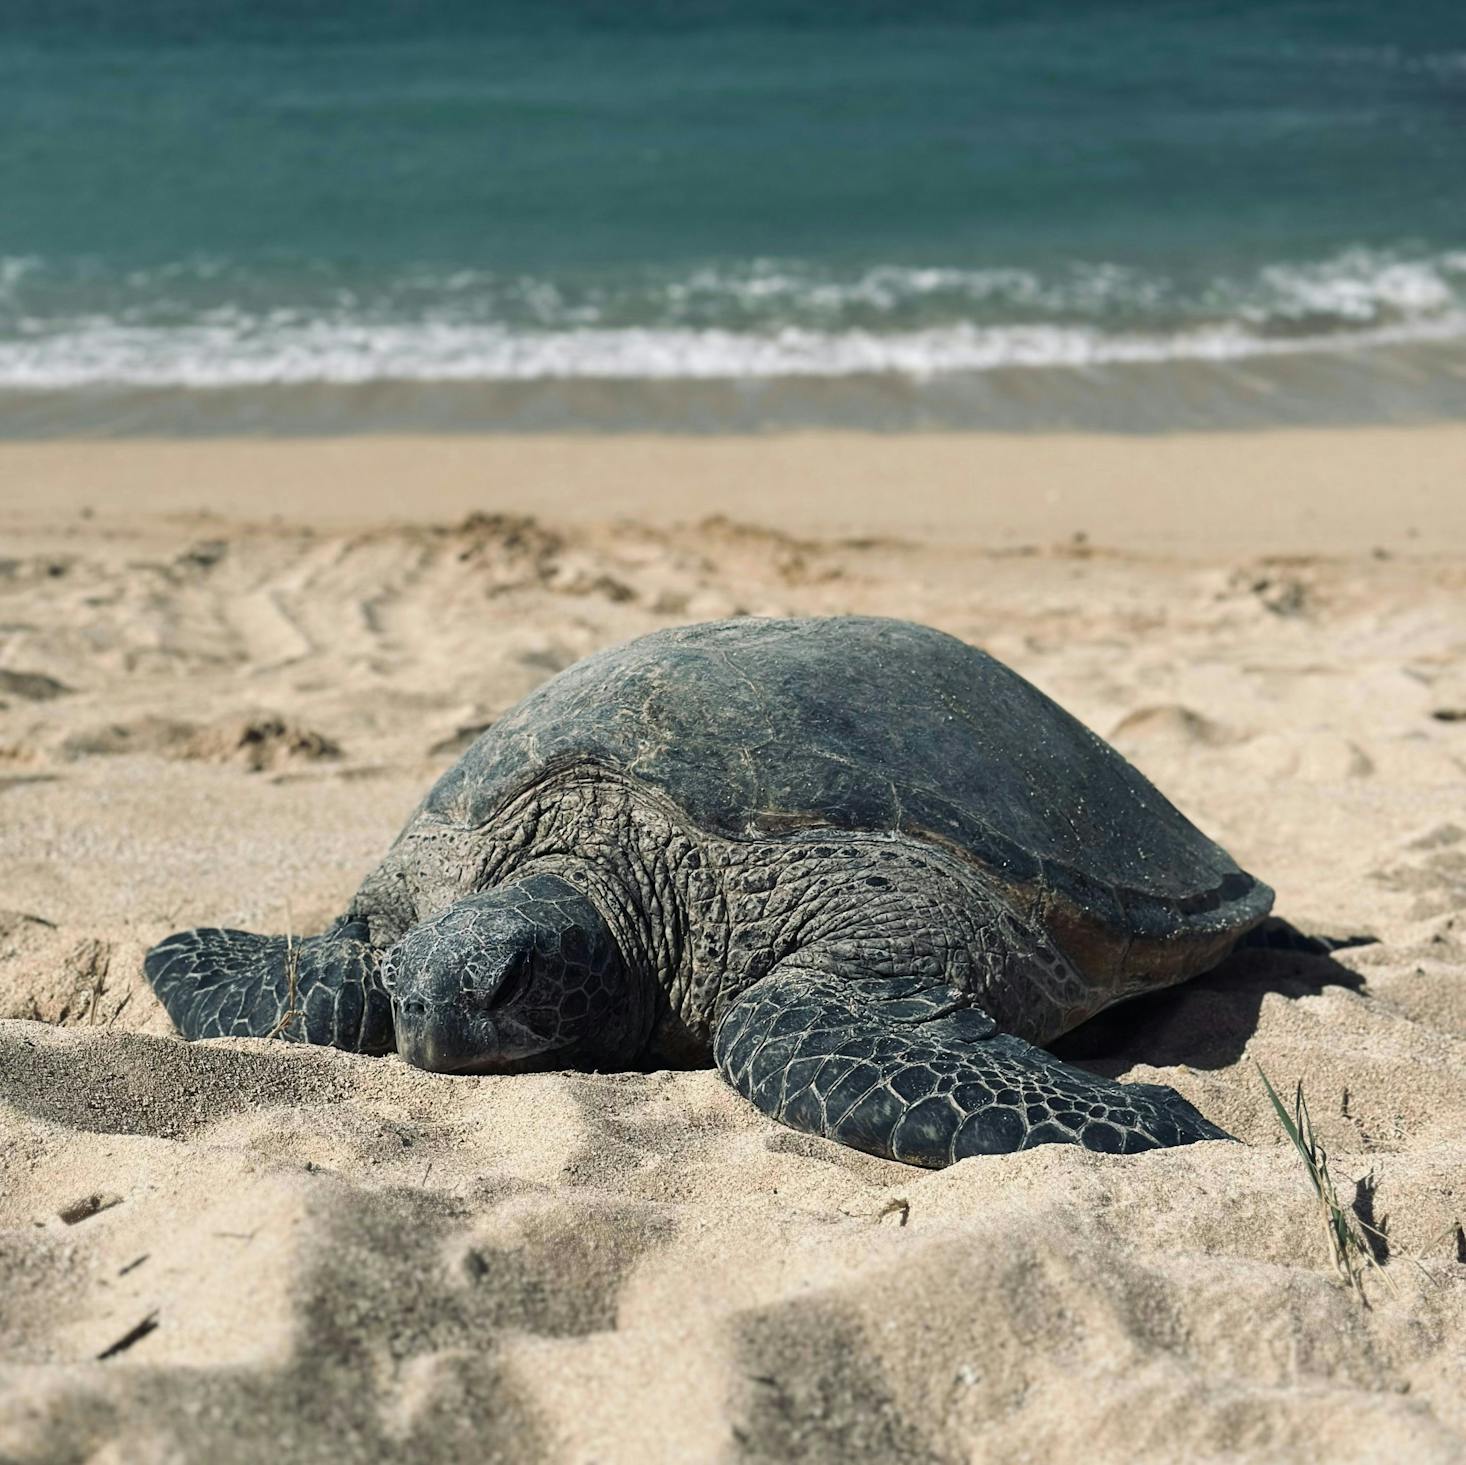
[(30, 686), (1169, 724)]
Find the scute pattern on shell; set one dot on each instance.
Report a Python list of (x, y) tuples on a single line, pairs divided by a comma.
[(754, 727)]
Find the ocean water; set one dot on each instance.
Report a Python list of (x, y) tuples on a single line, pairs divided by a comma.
[(225, 215)]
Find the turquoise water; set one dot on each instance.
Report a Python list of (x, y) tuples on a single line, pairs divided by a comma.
[(222, 215)]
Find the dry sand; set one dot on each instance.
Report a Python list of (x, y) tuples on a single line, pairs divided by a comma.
[(228, 671)]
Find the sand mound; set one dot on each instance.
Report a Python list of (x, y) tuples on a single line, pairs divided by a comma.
[(258, 742), (255, 742)]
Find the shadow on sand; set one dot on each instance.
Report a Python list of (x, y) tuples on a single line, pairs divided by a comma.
[(1206, 1022)]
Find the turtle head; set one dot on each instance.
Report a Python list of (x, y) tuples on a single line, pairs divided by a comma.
[(524, 976)]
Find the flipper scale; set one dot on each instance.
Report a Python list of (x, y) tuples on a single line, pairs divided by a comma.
[(218, 983), (1006, 1094)]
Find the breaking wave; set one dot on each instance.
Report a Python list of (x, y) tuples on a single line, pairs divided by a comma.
[(205, 324)]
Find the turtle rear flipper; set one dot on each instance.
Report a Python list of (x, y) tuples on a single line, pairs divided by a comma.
[(910, 1070), (318, 989)]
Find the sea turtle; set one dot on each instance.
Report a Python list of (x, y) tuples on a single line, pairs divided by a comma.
[(860, 865)]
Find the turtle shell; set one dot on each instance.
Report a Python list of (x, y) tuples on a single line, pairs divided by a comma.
[(757, 728)]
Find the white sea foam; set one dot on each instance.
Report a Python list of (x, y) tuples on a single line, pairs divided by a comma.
[(216, 356), (762, 320), (1358, 286)]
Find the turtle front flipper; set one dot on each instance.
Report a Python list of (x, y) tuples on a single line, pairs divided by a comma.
[(909, 1069), (316, 989)]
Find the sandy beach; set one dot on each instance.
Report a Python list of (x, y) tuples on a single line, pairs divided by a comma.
[(230, 669)]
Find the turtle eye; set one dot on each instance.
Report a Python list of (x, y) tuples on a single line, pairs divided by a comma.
[(513, 981)]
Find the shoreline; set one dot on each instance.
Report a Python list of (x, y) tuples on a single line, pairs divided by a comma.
[(1078, 383), (1280, 491)]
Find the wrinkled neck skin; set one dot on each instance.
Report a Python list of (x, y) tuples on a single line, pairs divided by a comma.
[(600, 838)]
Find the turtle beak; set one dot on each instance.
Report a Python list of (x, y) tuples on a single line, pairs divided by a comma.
[(446, 1040), (440, 1040)]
